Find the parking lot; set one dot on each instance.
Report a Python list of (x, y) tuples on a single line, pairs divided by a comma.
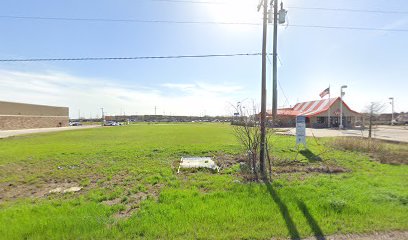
[(391, 133)]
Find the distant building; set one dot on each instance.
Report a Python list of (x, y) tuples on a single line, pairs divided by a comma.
[(24, 116), (168, 118), (402, 118), (317, 114)]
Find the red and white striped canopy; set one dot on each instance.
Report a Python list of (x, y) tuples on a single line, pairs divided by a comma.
[(311, 108)]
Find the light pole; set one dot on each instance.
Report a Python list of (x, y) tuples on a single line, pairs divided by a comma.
[(341, 106), (103, 117), (392, 114)]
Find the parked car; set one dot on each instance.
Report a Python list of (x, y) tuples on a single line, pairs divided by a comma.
[(112, 123), (75, 124)]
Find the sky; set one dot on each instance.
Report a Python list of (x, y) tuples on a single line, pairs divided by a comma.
[(373, 64)]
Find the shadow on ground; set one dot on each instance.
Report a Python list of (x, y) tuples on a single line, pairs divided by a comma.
[(310, 155), (290, 224), (318, 233)]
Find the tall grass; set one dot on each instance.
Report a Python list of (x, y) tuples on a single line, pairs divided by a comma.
[(379, 150), (359, 144)]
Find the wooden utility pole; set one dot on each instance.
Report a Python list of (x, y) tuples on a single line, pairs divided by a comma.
[(263, 100), (275, 62)]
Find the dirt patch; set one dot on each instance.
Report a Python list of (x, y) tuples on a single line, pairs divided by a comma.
[(43, 186), (35, 179), (281, 166), (393, 158), (309, 169), (395, 235), (132, 202), (228, 160), (11, 191), (112, 202)]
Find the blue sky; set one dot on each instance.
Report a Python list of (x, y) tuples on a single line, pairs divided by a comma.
[(372, 63)]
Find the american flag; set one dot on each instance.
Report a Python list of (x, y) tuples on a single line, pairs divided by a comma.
[(325, 92)]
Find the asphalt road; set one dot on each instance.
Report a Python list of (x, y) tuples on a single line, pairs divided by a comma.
[(391, 133), (10, 133)]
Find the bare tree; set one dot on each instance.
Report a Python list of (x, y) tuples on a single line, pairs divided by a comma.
[(247, 131), (372, 110)]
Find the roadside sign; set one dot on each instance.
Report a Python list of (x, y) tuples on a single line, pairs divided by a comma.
[(301, 130)]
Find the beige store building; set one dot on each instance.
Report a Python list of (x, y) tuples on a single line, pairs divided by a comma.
[(24, 116)]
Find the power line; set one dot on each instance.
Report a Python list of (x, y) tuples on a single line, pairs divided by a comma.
[(280, 86), (128, 58), (188, 1), (349, 28), (124, 20), (197, 22), (349, 10), (295, 7)]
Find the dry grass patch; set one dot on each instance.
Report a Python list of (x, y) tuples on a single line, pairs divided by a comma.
[(384, 152)]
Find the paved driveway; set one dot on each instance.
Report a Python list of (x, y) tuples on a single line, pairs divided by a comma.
[(392, 133), (10, 133)]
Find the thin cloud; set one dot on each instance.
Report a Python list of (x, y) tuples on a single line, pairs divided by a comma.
[(204, 88), (89, 95)]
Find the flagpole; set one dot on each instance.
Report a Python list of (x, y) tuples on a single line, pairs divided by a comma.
[(328, 119)]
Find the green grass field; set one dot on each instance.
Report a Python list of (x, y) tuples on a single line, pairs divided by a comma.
[(131, 189)]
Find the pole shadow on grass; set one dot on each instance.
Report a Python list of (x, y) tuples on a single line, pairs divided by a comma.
[(310, 155), (294, 233), (318, 233)]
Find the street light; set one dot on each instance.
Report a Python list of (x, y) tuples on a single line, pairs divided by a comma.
[(392, 114), (341, 106), (239, 106), (103, 117)]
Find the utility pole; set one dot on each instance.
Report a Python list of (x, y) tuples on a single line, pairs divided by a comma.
[(341, 106), (103, 117), (328, 112), (370, 127), (392, 114), (155, 110), (275, 61), (262, 153)]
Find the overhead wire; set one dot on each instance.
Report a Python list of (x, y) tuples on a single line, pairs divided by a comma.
[(189, 1), (124, 20), (128, 58), (349, 10), (350, 28), (294, 7), (200, 22), (280, 86)]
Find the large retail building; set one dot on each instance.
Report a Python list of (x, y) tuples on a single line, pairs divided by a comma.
[(24, 116)]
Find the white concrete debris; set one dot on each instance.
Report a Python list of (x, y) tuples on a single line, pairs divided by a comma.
[(198, 162), (56, 190), (68, 190), (72, 189)]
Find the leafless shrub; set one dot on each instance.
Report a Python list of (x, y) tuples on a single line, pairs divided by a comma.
[(247, 131), (372, 110), (248, 134)]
